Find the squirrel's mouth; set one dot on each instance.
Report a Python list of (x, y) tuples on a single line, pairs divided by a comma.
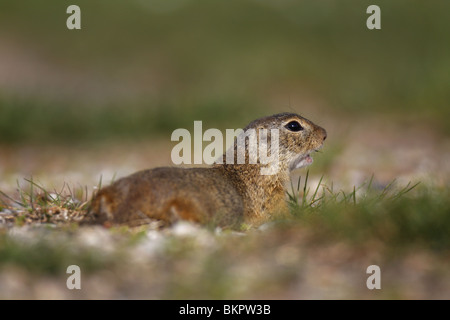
[(301, 161)]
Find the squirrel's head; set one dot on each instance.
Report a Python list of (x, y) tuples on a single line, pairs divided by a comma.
[(297, 138)]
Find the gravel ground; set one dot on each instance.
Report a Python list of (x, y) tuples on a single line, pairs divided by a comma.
[(188, 261)]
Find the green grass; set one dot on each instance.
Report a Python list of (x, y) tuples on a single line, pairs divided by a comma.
[(48, 257), (46, 122), (397, 217), (159, 70)]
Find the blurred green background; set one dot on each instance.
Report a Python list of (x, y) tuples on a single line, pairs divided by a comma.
[(142, 68)]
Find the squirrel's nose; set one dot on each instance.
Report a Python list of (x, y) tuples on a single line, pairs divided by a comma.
[(324, 134)]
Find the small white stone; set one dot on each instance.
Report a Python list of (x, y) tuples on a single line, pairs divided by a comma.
[(153, 244), (185, 229), (266, 226)]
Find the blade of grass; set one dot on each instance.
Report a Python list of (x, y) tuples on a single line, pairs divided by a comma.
[(21, 195), (32, 183), (317, 189), (31, 194), (354, 195), (369, 186), (305, 189), (113, 177), (386, 189), (11, 199), (404, 191), (99, 186)]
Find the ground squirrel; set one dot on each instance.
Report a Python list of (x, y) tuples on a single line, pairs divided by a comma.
[(224, 193)]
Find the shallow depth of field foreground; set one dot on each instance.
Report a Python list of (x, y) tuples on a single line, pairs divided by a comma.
[(82, 108)]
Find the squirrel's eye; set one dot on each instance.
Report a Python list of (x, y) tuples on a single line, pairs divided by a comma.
[(294, 126)]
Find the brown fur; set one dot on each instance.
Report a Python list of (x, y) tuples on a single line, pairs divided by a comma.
[(225, 194)]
